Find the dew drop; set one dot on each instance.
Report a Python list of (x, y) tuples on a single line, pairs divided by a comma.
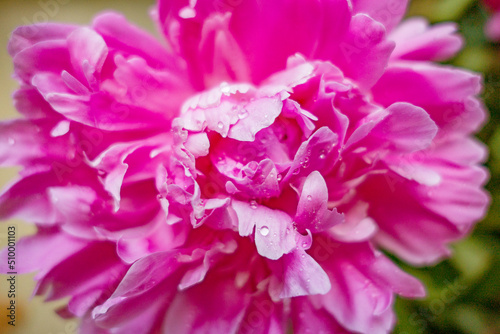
[(309, 198), (221, 160), (279, 177), (264, 231), (220, 125), (253, 204), (159, 196), (296, 171), (243, 113), (304, 244)]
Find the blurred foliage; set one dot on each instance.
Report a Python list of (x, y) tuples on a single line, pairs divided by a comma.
[(464, 291)]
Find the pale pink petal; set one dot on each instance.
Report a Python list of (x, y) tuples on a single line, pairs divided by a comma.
[(416, 40), (312, 209), (387, 12)]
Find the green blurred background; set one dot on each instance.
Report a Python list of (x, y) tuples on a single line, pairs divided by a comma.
[(463, 292)]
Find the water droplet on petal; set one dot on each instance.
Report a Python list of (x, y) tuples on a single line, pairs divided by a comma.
[(264, 231), (279, 177), (253, 204), (220, 125), (243, 113), (296, 171), (305, 244), (309, 198)]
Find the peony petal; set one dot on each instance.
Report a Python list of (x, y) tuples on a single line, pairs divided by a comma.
[(88, 52), (312, 211), (274, 235), (447, 94), (387, 12), (298, 274), (364, 52), (415, 40)]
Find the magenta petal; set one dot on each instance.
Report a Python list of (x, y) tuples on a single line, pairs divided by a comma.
[(39, 252), (285, 28), (197, 274), (308, 319), (300, 275), (317, 153), (24, 142), (434, 88), (34, 189), (407, 128), (142, 279), (415, 40), (274, 235), (261, 113), (88, 52), (356, 268), (27, 36), (312, 211), (198, 309), (47, 56), (245, 173), (364, 52), (118, 33), (387, 12)]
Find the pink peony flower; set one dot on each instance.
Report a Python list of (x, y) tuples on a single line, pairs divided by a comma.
[(492, 28), (248, 173)]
